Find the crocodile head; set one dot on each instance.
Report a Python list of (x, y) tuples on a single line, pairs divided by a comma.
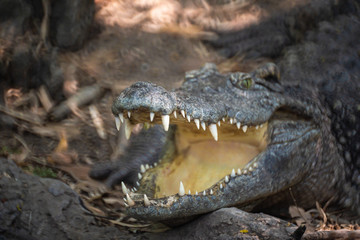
[(235, 140)]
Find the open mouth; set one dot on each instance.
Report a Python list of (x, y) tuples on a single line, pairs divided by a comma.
[(200, 158)]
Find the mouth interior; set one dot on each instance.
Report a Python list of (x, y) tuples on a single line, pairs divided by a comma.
[(200, 161)]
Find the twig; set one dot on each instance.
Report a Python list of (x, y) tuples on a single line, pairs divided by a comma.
[(26, 117), (336, 234), (83, 97)]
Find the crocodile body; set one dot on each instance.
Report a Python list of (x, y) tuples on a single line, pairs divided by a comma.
[(309, 122)]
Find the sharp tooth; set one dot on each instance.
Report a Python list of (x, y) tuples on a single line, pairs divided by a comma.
[(211, 192), (204, 193), (226, 179), (196, 193), (146, 201), (129, 200), (138, 184), (181, 189), (139, 175), (231, 120), (188, 118), (135, 189), (203, 126), (155, 164), (129, 114), (165, 121), (244, 128), (239, 171), (152, 115), (233, 174), (117, 123), (218, 123), (147, 166), (255, 165), (261, 125), (221, 186), (213, 130), (183, 113), (124, 188), (223, 119), (250, 169), (257, 127), (189, 192), (197, 122), (124, 199), (121, 116), (128, 128), (245, 171), (142, 168), (126, 204), (175, 114), (238, 125)]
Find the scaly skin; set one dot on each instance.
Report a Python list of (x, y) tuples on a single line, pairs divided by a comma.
[(313, 124)]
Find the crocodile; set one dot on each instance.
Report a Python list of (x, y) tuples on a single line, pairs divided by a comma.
[(253, 140), (235, 139)]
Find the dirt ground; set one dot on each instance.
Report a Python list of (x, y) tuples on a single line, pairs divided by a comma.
[(60, 127)]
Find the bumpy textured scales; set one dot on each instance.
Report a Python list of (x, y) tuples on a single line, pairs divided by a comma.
[(314, 157)]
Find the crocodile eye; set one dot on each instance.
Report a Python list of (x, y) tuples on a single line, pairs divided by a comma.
[(245, 83), (242, 80)]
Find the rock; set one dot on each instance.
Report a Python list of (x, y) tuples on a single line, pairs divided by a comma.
[(233, 223), (41, 208)]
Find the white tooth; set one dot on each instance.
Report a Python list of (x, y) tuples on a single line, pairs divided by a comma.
[(175, 114), (211, 192), (233, 174), (165, 121), (146, 166), (181, 189), (155, 164), (255, 165), (126, 204), (139, 176), (142, 168), (238, 125), (226, 179), (124, 199), (245, 171), (189, 192), (257, 127), (239, 171), (135, 189), (183, 113), (221, 186), (124, 188), (129, 114), (129, 200), (128, 128), (231, 120), (244, 128), (261, 125), (146, 201), (121, 116), (223, 119), (151, 166), (196, 193), (203, 126), (213, 131), (138, 184), (197, 122), (250, 169), (218, 123), (117, 123), (188, 118), (204, 193), (235, 120), (152, 115)]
